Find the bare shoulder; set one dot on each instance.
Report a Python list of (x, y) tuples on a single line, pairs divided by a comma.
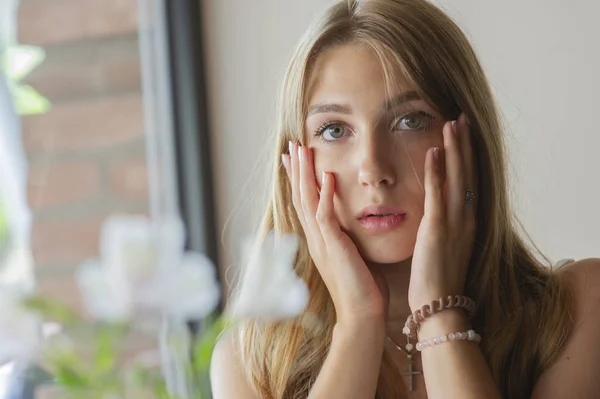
[(584, 275), (583, 280), (573, 374), (226, 373)]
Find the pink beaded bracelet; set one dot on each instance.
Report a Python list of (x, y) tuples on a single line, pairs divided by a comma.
[(458, 336), (426, 311)]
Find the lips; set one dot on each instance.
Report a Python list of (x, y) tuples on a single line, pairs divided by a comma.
[(379, 211), (382, 224)]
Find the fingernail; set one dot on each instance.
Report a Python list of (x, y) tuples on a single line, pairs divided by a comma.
[(283, 161), (301, 153), (454, 130), (436, 153), (323, 178), (290, 147)]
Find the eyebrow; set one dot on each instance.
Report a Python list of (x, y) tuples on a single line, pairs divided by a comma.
[(346, 109)]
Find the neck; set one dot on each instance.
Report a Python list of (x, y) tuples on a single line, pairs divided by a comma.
[(397, 277)]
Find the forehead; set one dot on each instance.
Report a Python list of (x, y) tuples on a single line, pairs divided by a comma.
[(351, 70)]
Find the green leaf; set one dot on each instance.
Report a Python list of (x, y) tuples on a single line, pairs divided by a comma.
[(152, 382), (3, 219), (51, 310), (17, 63), (4, 232), (20, 61), (106, 349), (29, 101), (70, 378), (64, 358)]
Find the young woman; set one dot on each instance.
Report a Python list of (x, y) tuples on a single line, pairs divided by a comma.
[(391, 167)]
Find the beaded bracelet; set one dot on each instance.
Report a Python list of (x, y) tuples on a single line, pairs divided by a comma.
[(458, 336), (436, 306)]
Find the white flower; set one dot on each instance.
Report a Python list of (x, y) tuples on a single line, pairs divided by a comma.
[(143, 266), (188, 292), (20, 333), (270, 288)]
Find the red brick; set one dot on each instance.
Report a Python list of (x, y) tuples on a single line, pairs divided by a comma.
[(84, 125), (128, 179), (65, 241), (62, 183), (88, 69), (57, 21)]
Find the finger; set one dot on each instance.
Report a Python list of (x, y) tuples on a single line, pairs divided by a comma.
[(313, 236), (455, 176), (325, 215), (466, 149), (308, 188), (434, 184), (295, 183), (302, 197), (465, 138), (285, 161), (308, 185)]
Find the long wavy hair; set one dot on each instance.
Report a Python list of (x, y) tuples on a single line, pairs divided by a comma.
[(523, 304)]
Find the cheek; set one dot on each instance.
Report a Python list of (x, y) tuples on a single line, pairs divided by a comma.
[(416, 144), (411, 150), (325, 161)]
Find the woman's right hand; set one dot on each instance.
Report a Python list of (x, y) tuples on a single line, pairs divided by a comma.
[(359, 295)]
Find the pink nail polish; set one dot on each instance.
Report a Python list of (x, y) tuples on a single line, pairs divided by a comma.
[(436, 153)]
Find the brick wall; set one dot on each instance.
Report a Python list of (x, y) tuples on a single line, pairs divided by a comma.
[(87, 155)]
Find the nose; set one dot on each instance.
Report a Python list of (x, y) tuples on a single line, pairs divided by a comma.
[(375, 163)]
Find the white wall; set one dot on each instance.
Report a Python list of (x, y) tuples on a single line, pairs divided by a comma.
[(247, 45), (542, 59)]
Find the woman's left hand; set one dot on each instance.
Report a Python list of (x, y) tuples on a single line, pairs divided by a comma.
[(447, 231)]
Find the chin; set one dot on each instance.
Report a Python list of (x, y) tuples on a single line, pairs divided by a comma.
[(385, 248), (386, 258)]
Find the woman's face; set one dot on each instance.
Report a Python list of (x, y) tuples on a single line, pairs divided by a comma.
[(374, 146)]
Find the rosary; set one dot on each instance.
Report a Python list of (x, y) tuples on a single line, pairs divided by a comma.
[(414, 320), (409, 356)]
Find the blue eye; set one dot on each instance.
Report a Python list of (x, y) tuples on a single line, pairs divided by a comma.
[(418, 120), (335, 130)]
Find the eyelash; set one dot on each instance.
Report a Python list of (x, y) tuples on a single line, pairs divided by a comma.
[(319, 132)]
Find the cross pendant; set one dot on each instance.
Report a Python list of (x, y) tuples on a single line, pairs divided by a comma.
[(410, 373)]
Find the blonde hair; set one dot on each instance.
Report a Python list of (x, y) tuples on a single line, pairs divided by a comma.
[(523, 305)]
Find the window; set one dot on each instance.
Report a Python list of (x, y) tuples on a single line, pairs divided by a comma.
[(112, 120)]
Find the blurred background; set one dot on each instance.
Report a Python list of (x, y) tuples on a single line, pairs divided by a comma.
[(137, 106), (86, 152)]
